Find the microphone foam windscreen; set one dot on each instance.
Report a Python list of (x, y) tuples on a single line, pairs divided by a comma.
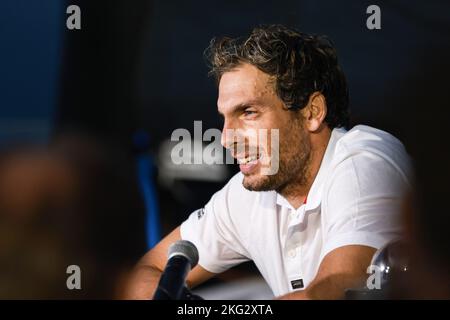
[(186, 249)]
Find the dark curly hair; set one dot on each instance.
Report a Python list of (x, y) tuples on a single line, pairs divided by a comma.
[(300, 63)]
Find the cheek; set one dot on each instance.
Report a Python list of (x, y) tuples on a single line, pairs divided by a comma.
[(292, 138), (273, 132)]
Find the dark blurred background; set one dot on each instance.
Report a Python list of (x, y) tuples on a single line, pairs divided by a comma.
[(94, 108)]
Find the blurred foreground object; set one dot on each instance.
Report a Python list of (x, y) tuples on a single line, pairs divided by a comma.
[(392, 261), (389, 265), (68, 204)]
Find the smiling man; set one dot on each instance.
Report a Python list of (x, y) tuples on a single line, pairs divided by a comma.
[(312, 226)]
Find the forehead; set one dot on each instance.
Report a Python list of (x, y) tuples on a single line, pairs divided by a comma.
[(244, 84)]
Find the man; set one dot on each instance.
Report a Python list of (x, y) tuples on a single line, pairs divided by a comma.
[(313, 226)]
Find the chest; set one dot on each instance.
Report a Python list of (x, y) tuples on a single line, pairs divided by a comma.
[(286, 247)]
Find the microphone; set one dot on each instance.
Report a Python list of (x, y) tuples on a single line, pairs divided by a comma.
[(182, 257)]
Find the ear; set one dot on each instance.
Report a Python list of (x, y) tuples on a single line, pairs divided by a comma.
[(315, 112)]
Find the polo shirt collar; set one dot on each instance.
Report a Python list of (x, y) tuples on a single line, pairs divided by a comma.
[(314, 197)]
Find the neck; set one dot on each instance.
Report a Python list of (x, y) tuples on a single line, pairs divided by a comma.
[(297, 191)]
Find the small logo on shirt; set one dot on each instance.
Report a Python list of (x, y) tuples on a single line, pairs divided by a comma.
[(200, 213), (297, 284)]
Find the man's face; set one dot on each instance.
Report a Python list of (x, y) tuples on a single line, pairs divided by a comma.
[(248, 102)]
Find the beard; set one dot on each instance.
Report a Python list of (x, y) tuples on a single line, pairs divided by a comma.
[(294, 162)]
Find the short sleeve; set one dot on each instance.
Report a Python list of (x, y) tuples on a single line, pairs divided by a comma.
[(212, 230), (363, 203)]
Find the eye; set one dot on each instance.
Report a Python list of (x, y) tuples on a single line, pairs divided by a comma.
[(248, 112)]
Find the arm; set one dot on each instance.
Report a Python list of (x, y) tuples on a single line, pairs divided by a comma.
[(144, 278), (341, 269)]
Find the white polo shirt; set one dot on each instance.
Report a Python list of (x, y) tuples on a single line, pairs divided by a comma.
[(354, 200)]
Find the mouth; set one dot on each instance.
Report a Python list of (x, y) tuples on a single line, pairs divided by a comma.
[(248, 159), (249, 164)]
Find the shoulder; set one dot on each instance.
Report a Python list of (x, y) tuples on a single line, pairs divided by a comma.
[(232, 189), (367, 163), (233, 198), (367, 139), (366, 148)]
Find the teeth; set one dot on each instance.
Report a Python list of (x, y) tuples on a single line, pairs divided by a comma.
[(247, 160)]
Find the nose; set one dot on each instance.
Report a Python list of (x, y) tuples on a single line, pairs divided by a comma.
[(227, 138), (224, 138)]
